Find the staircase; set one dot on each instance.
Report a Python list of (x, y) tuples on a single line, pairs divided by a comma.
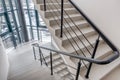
[(79, 38)]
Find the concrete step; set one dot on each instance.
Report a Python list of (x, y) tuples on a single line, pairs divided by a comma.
[(113, 75), (48, 1), (52, 6), (60, 68), (69, 77), (63, 73), (54, 59), (48, 56), (50, 13), (57, 20), (77, 25), (76, 34), (69, 47), (58, 63)]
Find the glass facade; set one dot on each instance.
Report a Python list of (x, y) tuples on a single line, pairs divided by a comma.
[(10, 27)]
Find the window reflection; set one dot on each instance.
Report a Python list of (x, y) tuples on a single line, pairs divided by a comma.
[(3, 25)]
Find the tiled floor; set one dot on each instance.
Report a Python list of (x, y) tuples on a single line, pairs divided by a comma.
[(24, 67)]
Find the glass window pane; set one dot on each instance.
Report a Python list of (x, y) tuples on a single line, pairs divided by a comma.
[(3, 25), (33, 19), (7, 41)]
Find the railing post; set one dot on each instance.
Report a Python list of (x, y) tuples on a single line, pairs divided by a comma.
[(44, 59), (93, 55), (44, 5), (34, 53), (40, 55), (51, 65), (78, 70), (62, 6)]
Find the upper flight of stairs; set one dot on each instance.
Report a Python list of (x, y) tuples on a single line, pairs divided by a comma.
[(98, 72)]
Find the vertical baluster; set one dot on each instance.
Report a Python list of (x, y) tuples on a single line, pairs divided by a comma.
[(44, 5), (62, 6), (40, 55), (34, 53), (44, 59), (51, 65), (93, 56), (78, 70)]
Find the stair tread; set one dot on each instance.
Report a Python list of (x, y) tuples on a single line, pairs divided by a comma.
[(83, 30), (60, 68), (54, 58), (57, 63), (102, 52), (78, 23), (65, 16), (48, 56), (92, 39), (63, 73), (60, 9), (56, 3), (65, 1), (68, 77)]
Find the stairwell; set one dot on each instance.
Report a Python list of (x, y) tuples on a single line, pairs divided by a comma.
[(77, 32)]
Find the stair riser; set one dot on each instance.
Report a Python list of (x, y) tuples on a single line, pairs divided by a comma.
[(66, 20), (57, 31), (54, 60), (84, 49), (57, 65), (58, 72), (54, 6), (58, 69), (51, 14), (64, 75)]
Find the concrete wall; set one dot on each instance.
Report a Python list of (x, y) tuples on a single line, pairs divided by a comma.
[(4, 64), (105, 14)]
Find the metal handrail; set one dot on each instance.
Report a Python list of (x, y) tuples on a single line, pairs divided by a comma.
[(115, 56)]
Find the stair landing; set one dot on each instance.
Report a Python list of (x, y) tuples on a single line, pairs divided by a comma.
[(24, 67)]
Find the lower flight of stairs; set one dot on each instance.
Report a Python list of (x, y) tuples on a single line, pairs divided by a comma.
[(98, 72), (59, 67)]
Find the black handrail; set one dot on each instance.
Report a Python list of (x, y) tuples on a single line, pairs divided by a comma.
[(115, 56)]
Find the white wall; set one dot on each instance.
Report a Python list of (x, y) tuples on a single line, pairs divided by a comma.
[(4, 64), (105, 14)]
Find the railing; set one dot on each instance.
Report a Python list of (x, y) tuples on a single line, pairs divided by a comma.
[(63, 22), (55, 16), (70, 55)]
